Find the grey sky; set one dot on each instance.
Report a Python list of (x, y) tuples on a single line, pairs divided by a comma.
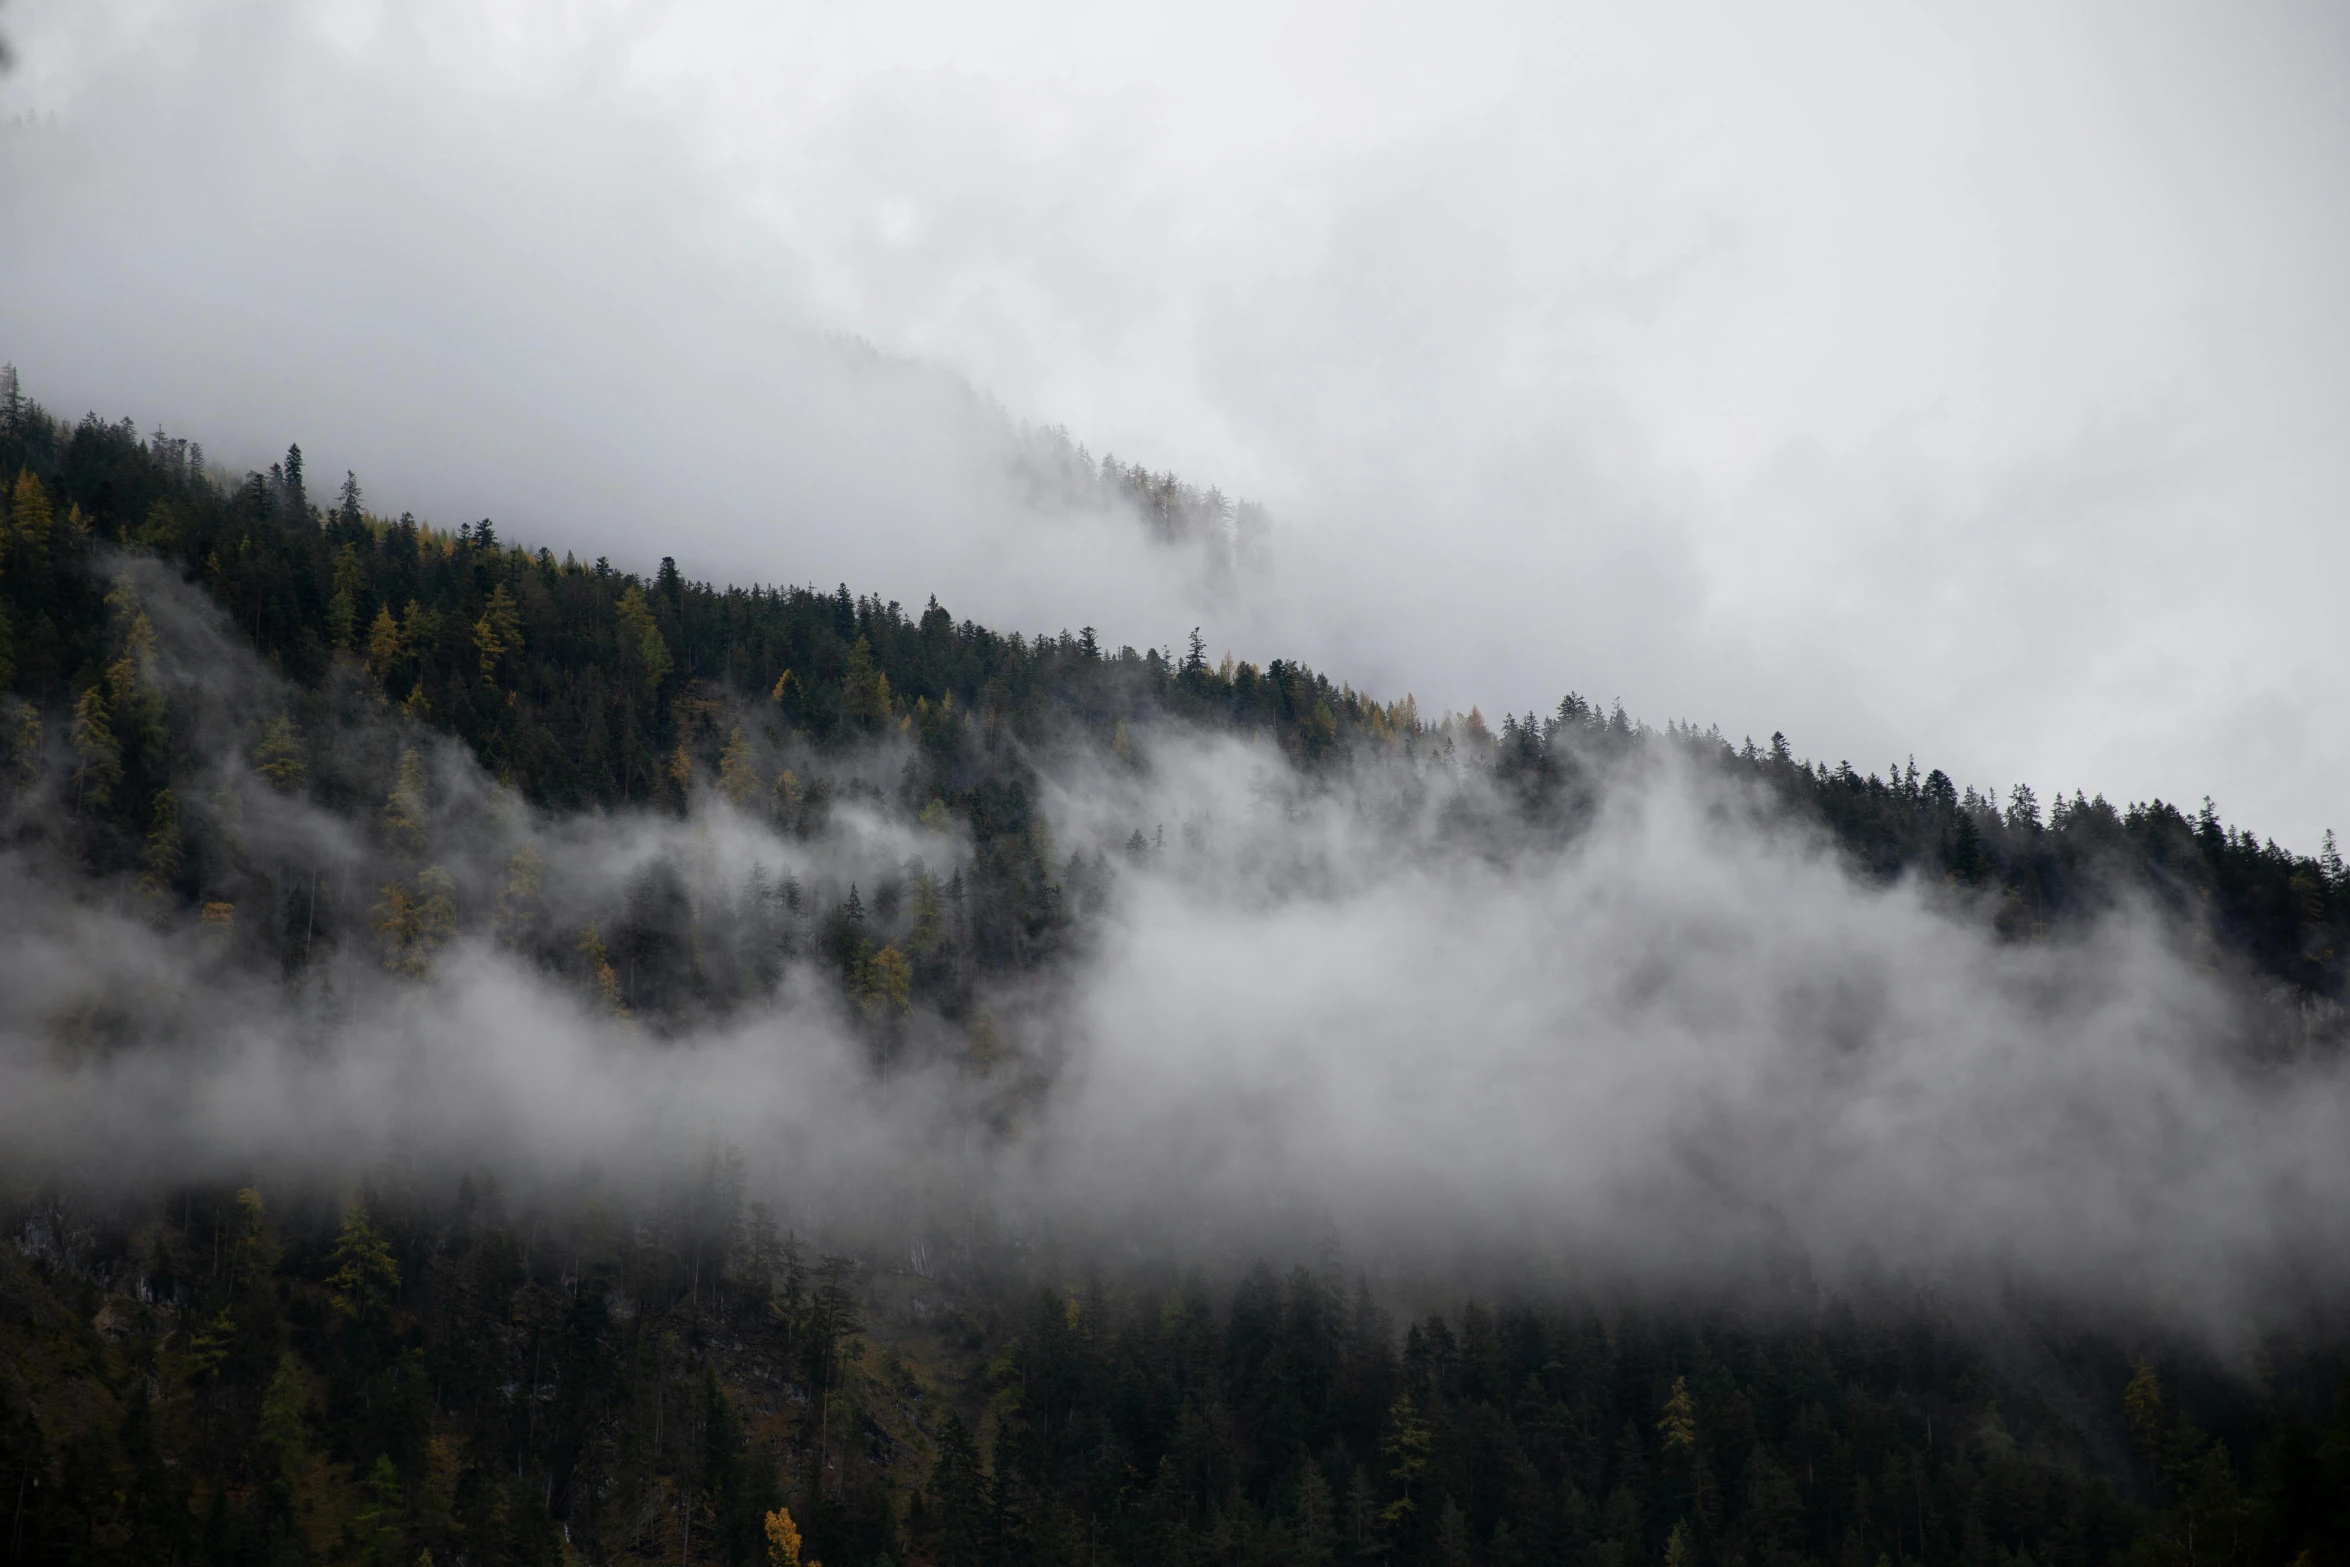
[(1964, 380)]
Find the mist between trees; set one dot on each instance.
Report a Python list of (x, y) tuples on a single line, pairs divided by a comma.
[(348, 860), (1061, 943)]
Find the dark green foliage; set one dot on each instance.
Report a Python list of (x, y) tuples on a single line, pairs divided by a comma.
[(194, 1384), (369, 1382), (585, 686), (1154, 1427)]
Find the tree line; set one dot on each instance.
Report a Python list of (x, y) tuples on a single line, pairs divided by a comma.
[(584, 685), (414, 1373)]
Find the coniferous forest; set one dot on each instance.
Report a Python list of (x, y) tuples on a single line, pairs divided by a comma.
[(323, 759)]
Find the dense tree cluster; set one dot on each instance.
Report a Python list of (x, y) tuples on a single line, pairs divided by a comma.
[(416, 1372), (403, 1372), (225, 1383), (584, 685), (1291, 1427)]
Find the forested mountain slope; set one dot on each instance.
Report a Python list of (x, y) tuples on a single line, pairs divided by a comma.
[(239, 1323), (587, 685)]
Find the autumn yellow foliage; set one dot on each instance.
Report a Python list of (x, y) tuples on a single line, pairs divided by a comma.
[(783, 1541)]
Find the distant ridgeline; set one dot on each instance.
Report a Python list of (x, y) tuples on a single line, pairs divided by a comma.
[(1230, 536), (584, 685)]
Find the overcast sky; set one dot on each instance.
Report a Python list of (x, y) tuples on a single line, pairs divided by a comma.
[(1967, 380)]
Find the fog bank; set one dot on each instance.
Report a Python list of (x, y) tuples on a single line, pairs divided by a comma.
[(1683, 1047)]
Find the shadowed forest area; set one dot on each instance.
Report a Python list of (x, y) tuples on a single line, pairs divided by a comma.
[(420, 1365)]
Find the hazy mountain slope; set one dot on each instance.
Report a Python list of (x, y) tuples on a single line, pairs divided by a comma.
[(521, 1061)]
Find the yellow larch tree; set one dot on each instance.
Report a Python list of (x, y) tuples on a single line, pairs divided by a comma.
[(785, 795), (396, 924), (383, 643), (889, 982), (599, 962), (738, 780)]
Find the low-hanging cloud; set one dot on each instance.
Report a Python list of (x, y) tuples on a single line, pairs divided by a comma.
[(537, 308), (1681, 1047), (1887, 375)]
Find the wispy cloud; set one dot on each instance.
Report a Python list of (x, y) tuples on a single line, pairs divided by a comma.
[(1939, 379), (1683, 1047)]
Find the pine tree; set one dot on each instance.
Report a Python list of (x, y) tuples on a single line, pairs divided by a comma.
[(342, 611), (280, 758), (420, 631), (641, 638), (958, 1490), (983, 1049), (161, 861), (98, 758), (1317, 1519), (600, 970), (404, 813), (929, 933), (436, 912), (865, 698), (1452, 1535), (498, 634), (366, 1280), (889, 981), (1678, 1427), (133, 685), (30, 520), (1406, 1446), (280, 1436), (738, 780), (297, 499), (411, 925), (381, 1522), (397, 925), (516, 913), (384, 643)]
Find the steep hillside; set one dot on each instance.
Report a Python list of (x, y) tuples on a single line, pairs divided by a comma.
[(511, 1060)]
